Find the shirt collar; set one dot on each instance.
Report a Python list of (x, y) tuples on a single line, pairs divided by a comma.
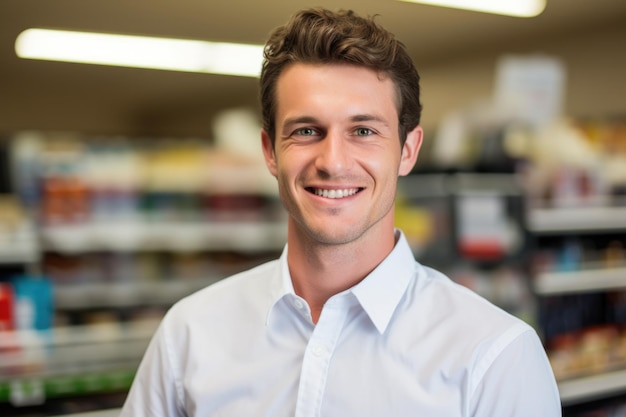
[(378, 294), (381, 291), (280, 284)]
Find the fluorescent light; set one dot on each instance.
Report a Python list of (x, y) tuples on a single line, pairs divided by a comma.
[(140, 52), (517, 8)]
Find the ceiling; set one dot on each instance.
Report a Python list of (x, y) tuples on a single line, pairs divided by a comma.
[(61, 96)]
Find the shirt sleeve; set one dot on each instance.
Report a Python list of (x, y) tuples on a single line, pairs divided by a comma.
[(155, 389), (518, 383)]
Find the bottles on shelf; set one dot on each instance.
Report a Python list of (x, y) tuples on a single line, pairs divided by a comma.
[(573, 165), (72, 180)]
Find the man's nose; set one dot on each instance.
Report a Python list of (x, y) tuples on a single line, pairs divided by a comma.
[(333, 155)]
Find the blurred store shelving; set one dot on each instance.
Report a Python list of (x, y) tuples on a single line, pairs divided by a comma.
[(101, 236)]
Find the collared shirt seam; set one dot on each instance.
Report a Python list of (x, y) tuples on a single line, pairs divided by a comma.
[(490, 357), (175, 371)]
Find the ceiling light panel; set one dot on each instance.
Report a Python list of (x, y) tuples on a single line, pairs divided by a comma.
[(517, 8), (140, 52)]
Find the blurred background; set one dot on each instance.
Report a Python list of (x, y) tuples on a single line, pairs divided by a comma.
[(124, 189)]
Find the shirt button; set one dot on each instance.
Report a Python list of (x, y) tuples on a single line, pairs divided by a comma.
[(317, 351), (298, 303)]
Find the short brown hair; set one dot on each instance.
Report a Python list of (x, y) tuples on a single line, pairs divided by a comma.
[(319, 36)]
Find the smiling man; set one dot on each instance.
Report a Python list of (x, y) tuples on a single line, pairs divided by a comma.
[(346, 322)]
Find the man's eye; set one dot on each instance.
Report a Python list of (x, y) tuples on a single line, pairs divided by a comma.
[(305, 131), (363, 131)]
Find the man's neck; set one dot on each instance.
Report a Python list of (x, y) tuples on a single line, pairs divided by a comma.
[(319, 271)]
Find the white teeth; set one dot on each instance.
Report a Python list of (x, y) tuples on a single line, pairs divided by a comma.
[(335, 193)]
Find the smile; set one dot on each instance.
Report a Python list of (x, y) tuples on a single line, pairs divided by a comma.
[(334, 194)]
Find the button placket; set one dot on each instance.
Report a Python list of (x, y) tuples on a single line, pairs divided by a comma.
[(317, 358)]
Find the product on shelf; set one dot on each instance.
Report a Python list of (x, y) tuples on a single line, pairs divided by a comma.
[(68, 180), (6, 307), (18, 239), (577, 163), (585, 333), (34, 306)]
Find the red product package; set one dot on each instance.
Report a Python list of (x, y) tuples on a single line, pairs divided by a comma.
[(6, 306)]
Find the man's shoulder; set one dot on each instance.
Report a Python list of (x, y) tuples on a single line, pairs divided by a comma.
[(463, 307), (242, 287), (460, 326)]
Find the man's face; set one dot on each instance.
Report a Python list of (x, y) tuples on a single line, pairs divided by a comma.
[(337, 154)]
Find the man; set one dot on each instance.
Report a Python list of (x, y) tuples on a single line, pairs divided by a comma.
[(346, 322)]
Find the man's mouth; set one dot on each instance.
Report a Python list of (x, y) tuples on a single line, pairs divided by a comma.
[(334, 193)]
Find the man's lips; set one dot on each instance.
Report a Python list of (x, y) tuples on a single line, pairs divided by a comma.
[(334, 193)]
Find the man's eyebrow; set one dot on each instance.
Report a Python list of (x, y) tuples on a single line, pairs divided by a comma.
[(355, 118), (299, 120), (368, 118)]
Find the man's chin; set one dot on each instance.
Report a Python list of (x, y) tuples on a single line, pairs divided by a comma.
[(334, 236)]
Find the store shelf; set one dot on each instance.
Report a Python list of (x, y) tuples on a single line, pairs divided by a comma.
[(28, 352), (589, 388), (584, 280), (20, 246), (131, 294), (21, 252), (23, 392), (70, 361), (170, 236), (114, 412), (577, 219)]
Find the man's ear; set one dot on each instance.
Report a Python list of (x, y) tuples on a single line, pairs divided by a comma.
[(410, 150), (268, 152)]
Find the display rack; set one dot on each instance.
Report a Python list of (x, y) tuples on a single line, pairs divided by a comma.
[(243, 236), (78, 361), (589, 278), (70, 361), (20, 253), (124, 229), (581, 278), (126, 294), (81, 360), (577, 219), (592, 387), (115, 412)]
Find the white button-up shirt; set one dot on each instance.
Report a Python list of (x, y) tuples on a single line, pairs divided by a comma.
[(405, 341)]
